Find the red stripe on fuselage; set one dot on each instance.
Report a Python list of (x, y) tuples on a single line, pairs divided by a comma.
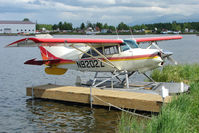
[(65, 61), (126, 57)]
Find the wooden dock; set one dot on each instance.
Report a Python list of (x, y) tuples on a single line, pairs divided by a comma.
[(122, 99)]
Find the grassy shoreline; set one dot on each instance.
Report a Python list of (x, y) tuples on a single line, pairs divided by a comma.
[(181, 115)]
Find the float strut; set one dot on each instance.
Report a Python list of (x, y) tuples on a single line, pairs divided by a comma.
[(95, 78), (149, 78), (127, 79)]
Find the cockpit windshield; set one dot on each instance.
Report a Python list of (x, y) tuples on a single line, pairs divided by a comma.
[(124, 47), (131, 43)]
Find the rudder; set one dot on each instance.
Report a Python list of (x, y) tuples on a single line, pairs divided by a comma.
[(46, 55)]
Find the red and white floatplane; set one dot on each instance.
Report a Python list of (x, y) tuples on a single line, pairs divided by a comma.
[(117, 56)]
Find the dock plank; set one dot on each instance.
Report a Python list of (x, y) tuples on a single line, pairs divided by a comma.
[(122, 99)]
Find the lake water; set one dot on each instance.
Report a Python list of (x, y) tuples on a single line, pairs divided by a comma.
[(18, 113)]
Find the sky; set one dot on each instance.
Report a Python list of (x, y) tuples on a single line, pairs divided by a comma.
[(111, 12)]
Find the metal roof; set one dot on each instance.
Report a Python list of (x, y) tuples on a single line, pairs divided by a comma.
[(15, 22)]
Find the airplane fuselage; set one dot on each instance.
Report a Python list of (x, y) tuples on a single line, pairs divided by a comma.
[(133, 59)]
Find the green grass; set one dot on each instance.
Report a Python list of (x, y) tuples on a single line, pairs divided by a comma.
[(185, 73), (129, 124), (181, 115)]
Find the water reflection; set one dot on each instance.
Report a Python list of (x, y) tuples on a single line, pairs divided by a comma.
[(68, 117)]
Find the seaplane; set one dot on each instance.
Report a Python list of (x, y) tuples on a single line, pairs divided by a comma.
[(120, 57)]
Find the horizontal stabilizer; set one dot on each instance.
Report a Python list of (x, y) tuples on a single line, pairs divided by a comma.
[(41, 62)]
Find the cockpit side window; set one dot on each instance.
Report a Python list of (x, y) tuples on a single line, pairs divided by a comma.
[(108, 50), (92, 52)]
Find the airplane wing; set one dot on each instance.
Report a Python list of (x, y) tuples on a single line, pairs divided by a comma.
[(35, 42), (154, 39)]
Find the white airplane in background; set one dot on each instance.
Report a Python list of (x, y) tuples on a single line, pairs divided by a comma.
[(118, 56)]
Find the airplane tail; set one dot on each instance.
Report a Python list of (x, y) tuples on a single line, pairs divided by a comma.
[(47, 58), (46, 55), (50, 60)]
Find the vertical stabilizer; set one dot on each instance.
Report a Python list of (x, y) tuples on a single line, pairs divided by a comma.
[(46, 55)]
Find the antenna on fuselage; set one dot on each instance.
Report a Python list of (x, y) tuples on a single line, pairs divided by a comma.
[(116, 33)]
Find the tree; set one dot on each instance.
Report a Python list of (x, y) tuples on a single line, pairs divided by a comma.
[(105, 26), (46, 26), (112, 28), (122, 26), (82, 26), (60, 25), (55, 27), (143, 27), (26, 19), (89, 24), (174, 25), (178, 28), (187, 25), (99, 25), (37, 27), (67, 26), (136, 27)]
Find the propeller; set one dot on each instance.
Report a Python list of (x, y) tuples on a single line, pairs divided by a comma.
[(172, 60), (164, 55)]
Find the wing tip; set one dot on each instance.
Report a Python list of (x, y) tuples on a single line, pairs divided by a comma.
[(11, 44), (15, 44)]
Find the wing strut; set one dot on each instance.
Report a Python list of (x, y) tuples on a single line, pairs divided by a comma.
[(102, 56), (110, 64)]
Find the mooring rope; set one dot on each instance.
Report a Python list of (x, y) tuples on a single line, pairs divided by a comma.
[(121, 108)]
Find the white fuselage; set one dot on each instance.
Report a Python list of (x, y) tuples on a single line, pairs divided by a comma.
[(133, 59)]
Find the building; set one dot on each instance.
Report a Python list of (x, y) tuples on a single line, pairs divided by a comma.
[(17, 27)]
